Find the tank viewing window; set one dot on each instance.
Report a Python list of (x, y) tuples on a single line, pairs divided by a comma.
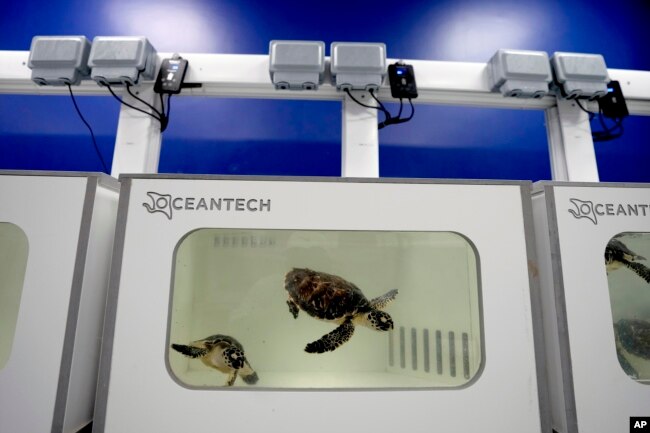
[(13, 261), (627, 261), (372, 309)]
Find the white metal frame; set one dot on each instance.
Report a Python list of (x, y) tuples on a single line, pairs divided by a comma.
[(137, 146)]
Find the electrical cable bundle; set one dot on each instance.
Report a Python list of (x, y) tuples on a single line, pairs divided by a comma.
[(388, 118), (607, 132), (160, 116)]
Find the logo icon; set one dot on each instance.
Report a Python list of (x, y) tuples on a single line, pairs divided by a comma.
[(584, 209), (159, 203)]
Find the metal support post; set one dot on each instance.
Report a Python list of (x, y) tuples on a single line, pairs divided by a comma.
[(137, 143), (570, 144), (360, 151)]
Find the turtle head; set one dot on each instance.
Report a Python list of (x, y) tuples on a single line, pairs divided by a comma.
[(234, 358), (379, 320)]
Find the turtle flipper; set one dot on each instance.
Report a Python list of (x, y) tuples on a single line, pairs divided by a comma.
[(639, 269), (231, 378), (332, 340), (382, 301), (190, 351), (626, 366), (248, 374), (293, 308)]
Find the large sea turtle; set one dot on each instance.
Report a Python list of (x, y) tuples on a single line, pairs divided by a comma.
[(617, 254), (632, 341), (222, 353), (331, 298)]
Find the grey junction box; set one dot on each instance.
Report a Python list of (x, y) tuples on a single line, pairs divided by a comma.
[(358, 66), (580, 75), (59, 60), (297, 65), (122, 59), (517, 73)]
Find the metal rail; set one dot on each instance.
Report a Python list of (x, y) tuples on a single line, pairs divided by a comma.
[(138, 138)]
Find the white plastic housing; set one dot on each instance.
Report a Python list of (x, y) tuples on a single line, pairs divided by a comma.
[(297, 65), (160, 214), (357, 65), (588, 388), (522, 74), (580, 75), (47, 383), (121, 59), (59, 60)]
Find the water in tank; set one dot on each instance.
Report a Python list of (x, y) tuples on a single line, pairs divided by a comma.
[(258, 308), (627, 262), (13, 261)]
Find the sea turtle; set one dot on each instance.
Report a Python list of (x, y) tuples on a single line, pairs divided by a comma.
[(632, 341), (617, 254), (223, 353), (331, 298)]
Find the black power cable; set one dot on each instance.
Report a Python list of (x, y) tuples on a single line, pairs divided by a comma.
[(92, 134), (389, 119), (159, 116), (607, 133), (378, 108), (399, 119)]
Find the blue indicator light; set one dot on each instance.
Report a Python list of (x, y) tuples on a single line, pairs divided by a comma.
[(610, 90), (400, 72)]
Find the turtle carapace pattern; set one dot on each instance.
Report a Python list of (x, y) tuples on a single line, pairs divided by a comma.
[(222, 353), (333, 299), (632, 340), (617, 254)]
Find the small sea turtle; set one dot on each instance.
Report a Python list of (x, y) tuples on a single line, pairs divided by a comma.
[(632, 340), (331, 298), (223, 353), (617, 254)]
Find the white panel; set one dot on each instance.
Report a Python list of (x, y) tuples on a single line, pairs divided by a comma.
[(138, 372), (605, 396), (549, 314), (85, 362), (48, 210)]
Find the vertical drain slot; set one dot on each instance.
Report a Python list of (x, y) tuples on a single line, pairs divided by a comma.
[(452, 354), (402, 347), (414, 349), (439, 351), (465, 355), (425, 349)]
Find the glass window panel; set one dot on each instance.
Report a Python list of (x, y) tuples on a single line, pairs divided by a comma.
[(628, 276), (237, 283), (13, 261)]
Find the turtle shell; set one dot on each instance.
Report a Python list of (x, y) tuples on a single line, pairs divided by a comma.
[(634, 336), (325, 296), (220, 339)]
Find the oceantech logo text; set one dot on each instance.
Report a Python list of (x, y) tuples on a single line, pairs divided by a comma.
[(593, 211), (168, 205)]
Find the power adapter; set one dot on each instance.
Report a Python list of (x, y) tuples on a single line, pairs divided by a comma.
[(402, 81), (171, 76), (613, 104)]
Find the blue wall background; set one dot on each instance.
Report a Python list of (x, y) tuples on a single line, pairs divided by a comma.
[(303, 138)]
